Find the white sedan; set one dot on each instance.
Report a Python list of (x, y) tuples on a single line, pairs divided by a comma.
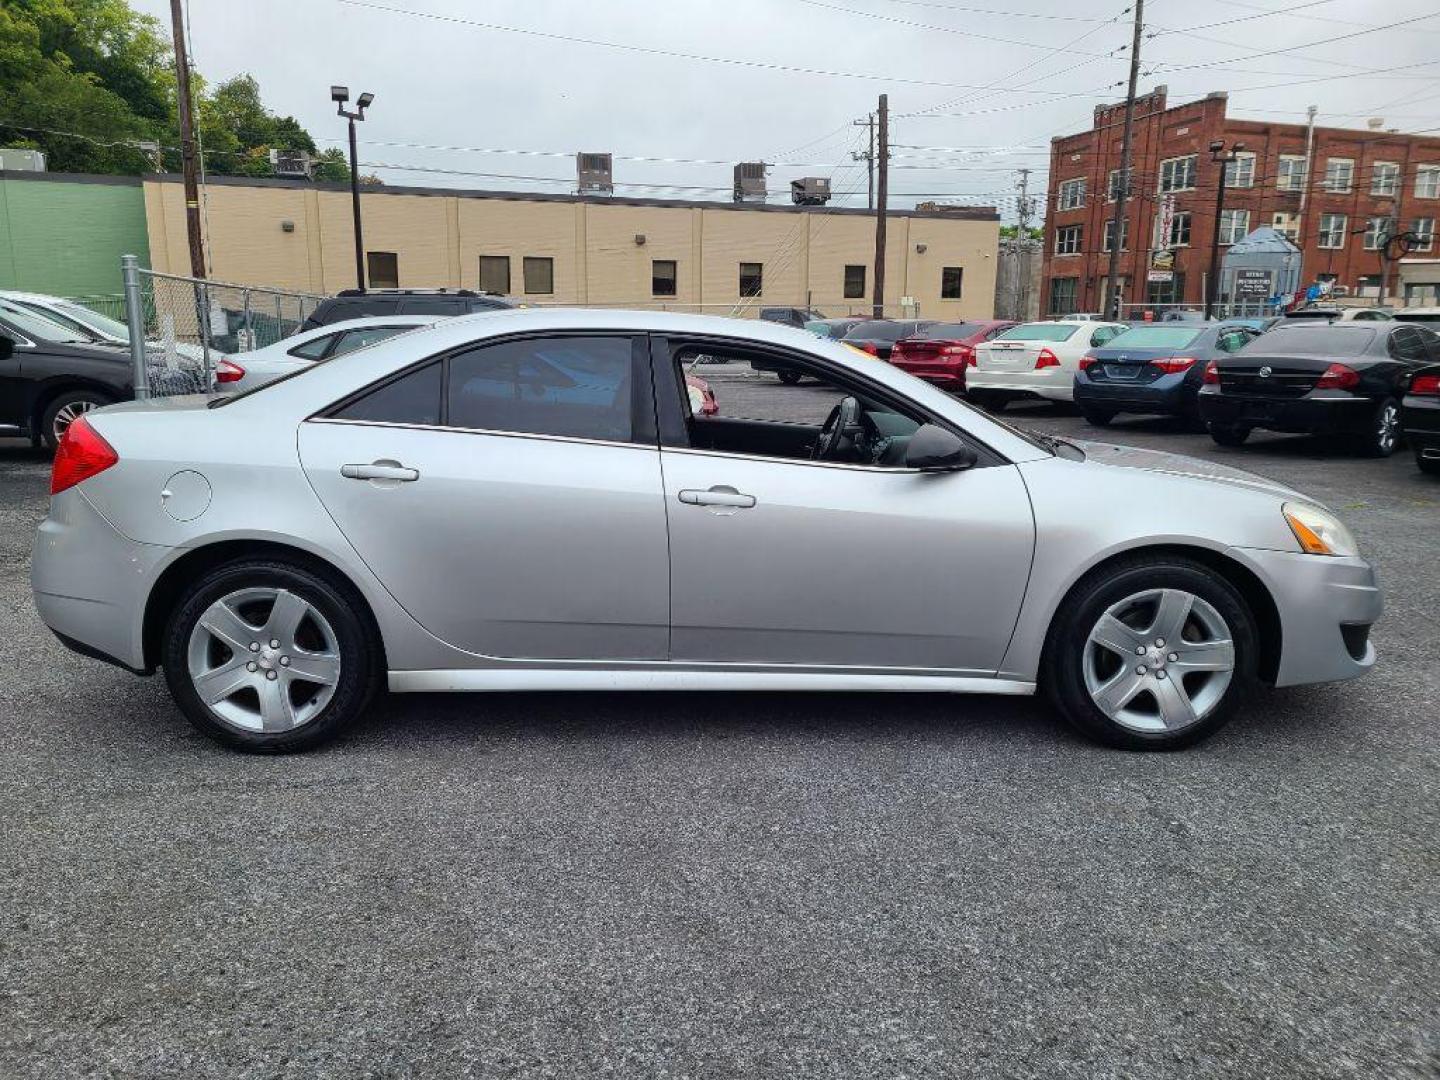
[(1036, 359), (249, 370)]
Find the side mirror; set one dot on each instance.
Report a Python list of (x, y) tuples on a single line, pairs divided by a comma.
[(7, 347), (934, 449)]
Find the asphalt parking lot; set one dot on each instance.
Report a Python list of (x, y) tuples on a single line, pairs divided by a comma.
[(733, 885)]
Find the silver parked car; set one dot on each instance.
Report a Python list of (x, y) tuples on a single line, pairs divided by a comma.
[(527, 502)]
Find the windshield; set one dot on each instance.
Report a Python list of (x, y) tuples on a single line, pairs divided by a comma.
[(1325, 340), (41, 328), (1040, 331), (1154, 337), (112, 328)]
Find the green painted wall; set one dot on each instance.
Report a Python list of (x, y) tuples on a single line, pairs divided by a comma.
[(66, 236)]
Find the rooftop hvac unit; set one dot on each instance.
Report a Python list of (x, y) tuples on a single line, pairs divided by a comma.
[(594, 174), (290, 163), (810, 191), (750, 181), (22, 160)]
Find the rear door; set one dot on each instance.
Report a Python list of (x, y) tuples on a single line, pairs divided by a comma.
[(508, 495)]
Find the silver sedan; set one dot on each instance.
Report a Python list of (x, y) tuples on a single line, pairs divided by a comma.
[(528, 502)]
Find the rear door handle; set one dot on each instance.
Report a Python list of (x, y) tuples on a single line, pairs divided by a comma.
[(717, 496), (380, 470)]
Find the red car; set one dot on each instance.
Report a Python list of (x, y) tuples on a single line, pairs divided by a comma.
[(941, 352)]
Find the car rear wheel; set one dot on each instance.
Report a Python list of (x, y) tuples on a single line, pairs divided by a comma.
[(1098, 417), (1154, 653), (789, 378), (67, 407), (989, 400), (269, 657), (1229, 436), (1384, 434)]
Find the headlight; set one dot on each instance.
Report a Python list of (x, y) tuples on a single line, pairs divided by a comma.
[(1318, 533)]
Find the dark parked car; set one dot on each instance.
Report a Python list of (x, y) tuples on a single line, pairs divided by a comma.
[(1154, 368), (1420, 417), (790, 316), (358, 303), (832, 328), (1318, 378), (878, 336), (942, 351)]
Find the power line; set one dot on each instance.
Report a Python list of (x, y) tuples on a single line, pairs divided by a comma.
[(1307, 45)]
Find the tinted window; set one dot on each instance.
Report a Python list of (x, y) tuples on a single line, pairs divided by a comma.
[(314, 348), (39, 328), (572, 386), (881, 331), (1407, 344), (432, 305), (351, 340), (1040, 331), (1319, 339), (1155, 337), (950, 331), (410, 399)]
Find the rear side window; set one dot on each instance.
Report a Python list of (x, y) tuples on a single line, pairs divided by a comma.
[(1040, 332), (574, 386), (351, 340), (313, 349), (1406, 343), (413, 398)]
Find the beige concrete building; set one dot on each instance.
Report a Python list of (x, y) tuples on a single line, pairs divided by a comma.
[(570, 249)]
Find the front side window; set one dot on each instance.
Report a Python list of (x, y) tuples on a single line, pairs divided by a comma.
[(1375, 229), (495, 274), (573, 386), (1427, 181), (854, 282), (1240, 173), (1424, 230), (413, 398), (664, 277), (1234, 225), (1178, 174), (952, 279), (1385, 178), (1339, 175), (1071, 195), (1063, 292), (382, 269), (1067, 240), (1290, 172), (539, 275), (1332, 231), (752, 279)]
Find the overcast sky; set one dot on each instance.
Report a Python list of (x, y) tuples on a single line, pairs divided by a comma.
[(988, 81)]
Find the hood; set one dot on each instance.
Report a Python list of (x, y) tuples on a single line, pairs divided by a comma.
[(1133, 457)]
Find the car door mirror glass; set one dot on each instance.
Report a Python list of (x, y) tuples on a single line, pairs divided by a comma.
[(934, 449)]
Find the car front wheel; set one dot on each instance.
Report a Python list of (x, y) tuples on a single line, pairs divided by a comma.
[(1151, 654), (270, 657)]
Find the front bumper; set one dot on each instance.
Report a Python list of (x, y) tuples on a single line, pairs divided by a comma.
[(1054, 384), (90, 583), (1311, 415), (1326, 607)]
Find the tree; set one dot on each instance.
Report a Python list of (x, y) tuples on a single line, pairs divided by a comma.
[(1009, 232)]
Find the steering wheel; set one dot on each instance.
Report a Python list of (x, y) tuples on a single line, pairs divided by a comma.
[(844, 422)]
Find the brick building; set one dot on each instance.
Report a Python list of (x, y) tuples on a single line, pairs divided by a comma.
[(1356, 181)]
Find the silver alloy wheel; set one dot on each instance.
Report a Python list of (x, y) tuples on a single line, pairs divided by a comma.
[(264, 659), (1159, 660), (67, 414), (1388, 427)]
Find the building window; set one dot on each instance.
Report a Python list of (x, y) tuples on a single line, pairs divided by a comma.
[(752, 279), (1240, 173), (1385, 178), (1424, 230), (382, 269), (1332, 231), (1072, 195), (1427, 182), (951, 280), (1339, 175), (664, 277), (1112, 187), (1290, 172), (495, 274), (1375, 229), (1166, 292), (854, 282), (539, 274), (1178, 174), (1109, 242), (1234, 225), (1179, 232), (1287, 225), (1067, 240), (1063, 291)]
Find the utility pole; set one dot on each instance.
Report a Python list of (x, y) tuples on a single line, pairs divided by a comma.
[(1112, 278), (1022, 248), (187, 141), (869, 158), (1221, 157), (1300, 224), (881, 198)]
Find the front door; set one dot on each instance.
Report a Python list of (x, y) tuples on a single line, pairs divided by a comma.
[(509, 497)]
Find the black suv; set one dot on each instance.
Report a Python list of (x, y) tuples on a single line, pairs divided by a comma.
[(359, 303)]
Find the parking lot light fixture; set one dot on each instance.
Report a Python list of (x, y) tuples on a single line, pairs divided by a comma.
[(340, 95)]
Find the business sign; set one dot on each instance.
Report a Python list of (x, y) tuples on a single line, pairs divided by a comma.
[(1253, 284), (1160, 276), (1165, 219)]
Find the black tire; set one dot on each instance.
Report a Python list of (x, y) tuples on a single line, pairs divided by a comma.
[(1098, 417), (1062, 673), (789, 378), (67, 402), (1383, 438), (1426, 465), (1228, 436), (361, 663), (989, 400)]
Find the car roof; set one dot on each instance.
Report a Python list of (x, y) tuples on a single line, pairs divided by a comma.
[(365, 321)]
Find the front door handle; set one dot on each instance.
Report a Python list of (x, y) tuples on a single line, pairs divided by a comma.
[(717, 496), (380, 470)]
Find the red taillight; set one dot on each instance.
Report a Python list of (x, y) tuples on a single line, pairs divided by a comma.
[(1338, 377), (966, 353), (1086, 361), (1212, 374), (869, 347), (1172, 364), (1046, 359), (82, 453), (709, 406), (227, 371), (1425, 385)]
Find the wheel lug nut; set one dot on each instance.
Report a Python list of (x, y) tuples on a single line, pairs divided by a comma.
[(254, 646), (284, 661), (271, 676), (1140, 669), (251, 666), (1139, 650), (1159, 642), (1159, 674), (1174, 657), (275, 643)]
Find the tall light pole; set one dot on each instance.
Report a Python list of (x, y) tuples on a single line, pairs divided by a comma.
[(340, 95), (1223, 158), (1112, 305)]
